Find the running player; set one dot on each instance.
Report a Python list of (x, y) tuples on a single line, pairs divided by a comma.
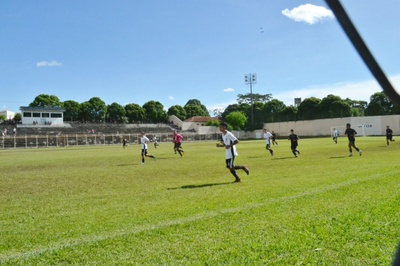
[(352, 140), (230, 142)]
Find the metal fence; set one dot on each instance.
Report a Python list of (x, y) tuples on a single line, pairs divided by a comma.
[(47, 141)]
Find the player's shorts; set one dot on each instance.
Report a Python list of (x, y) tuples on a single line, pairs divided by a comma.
[(144, 152), (268, 146), (177, 145), (229, 163)]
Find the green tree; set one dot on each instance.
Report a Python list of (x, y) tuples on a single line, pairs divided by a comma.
[(357, 107), (155, 112), (194, 110), (212, 123), (135, 113), (258, 117), (253, 97), (380, 104), (333, 106), (237, 120), (178, 111), (288, 113), (93, 110), (116, 113), (217, 112), (18, 117), (72, 110), (272, 110), (203, 108), (2, 118), (309, 109), (44, 100), (244, 108)]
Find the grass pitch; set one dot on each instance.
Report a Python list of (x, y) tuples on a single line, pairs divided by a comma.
[(100, 206)]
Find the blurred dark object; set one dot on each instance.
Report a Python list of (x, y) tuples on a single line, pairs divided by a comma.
[(363, 50)]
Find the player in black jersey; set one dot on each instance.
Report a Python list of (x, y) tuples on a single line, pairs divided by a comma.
[(352, 140), (293, 142), (389, 135)]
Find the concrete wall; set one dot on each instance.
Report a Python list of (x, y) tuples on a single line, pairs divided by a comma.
[(368, 125)]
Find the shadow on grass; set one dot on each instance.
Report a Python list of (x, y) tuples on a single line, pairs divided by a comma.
[(201, 185), (284, 158), (338, 157), (255, 157), (125, 164)]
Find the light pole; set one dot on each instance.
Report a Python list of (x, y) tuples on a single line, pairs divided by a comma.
[(250, 79)]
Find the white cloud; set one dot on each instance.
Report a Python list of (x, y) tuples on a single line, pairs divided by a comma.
[(48, 64), (360, 91), (229, 90), (171, 98), (308, 13)]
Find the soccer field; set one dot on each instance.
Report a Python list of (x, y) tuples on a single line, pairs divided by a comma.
[(101, 206)]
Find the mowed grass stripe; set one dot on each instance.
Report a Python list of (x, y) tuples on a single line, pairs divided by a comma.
[(208, 215), (89, 195)]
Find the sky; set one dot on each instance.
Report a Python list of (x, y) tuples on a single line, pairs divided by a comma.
[(171, 51)]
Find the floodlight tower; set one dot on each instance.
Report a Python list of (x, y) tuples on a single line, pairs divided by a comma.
[(250, 79)]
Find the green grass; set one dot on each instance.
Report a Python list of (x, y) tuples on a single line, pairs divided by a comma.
[(99, 205)]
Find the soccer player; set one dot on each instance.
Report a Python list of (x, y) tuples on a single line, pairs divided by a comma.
[(155, 142), (274, 138), (335, 135), (389, 135), (267, 136), (177, 140), (230, 142), (352, 140), (294, 143), (124, 143), (144, 141)]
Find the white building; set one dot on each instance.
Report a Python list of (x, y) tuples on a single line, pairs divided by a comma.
[(42, 115), (8, 114)]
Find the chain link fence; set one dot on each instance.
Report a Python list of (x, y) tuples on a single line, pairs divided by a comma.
[(48, 141)]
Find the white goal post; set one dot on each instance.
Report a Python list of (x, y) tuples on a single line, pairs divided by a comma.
[(360, 129)]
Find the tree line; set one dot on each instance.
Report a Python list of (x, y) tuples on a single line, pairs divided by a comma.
[(250, 112)]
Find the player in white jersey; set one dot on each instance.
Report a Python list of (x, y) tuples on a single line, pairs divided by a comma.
[(230, 142), (144, 141), (268, 136)]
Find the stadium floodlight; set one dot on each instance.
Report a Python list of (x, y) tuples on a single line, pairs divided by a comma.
[(250, 79)]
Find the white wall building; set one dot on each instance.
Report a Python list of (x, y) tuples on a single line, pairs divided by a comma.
[(42, 115), (8, 114)]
